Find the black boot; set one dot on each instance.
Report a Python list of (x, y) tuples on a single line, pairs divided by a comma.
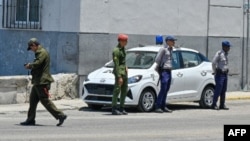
[(115, 111), (214, 107), (122, 111), (165, 109), (28, 123), (223, 107), (61, 120)]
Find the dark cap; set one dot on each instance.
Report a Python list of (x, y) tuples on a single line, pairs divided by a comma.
[(32, 41), (226, 44), (170, 38)]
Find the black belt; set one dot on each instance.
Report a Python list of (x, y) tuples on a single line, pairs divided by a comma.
[(166, 70), (222, 72)]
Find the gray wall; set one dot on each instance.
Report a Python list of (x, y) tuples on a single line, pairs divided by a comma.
[(63, 49), (61, 15)]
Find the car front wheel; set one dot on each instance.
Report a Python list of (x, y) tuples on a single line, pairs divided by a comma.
[(207, 97), (147, 101)]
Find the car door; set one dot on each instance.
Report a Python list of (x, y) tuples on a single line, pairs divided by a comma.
[(177, 83), (190, 73)]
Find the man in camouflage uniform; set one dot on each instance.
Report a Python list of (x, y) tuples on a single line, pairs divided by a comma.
[(121, 79), (41, 80)]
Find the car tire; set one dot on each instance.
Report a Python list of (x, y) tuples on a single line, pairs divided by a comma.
[(147, 100), (207, 97), (95, 106)]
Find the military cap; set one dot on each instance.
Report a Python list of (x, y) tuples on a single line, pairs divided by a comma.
[(170, 38), (32, 41), (226, 43)]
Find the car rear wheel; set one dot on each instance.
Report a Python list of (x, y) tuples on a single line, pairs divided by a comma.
[(95, 106), (207, 97), (147, 101)]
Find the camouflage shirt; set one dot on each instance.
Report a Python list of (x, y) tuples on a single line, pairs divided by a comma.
[(119, 59), (40, 67)]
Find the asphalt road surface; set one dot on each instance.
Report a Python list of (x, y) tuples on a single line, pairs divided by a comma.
[(187, 123)]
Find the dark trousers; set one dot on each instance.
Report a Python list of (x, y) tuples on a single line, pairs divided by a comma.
[(122, 90), (220, 88), (166, 77), (40, 93)]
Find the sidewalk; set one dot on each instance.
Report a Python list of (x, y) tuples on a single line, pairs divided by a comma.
[(63, 104), (72, 104)]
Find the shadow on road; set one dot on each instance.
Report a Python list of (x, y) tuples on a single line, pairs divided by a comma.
[(174, 107)]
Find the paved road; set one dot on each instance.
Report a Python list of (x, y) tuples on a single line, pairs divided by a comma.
[(187, 123)]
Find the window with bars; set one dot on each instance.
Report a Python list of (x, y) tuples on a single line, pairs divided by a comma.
[(22, 14)]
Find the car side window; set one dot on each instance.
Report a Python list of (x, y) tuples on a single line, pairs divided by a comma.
[(175, 61), (140, 59), (190, 59)]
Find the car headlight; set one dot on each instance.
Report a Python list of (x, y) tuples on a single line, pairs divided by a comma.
[(134, 79)]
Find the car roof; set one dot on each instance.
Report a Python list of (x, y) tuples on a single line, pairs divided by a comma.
[(156, 48)]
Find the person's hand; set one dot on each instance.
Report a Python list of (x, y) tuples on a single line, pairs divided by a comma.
[(27, 66), (120, 81)]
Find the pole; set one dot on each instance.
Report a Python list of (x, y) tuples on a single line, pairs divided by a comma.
[(208, 20), (247, 45), (242, 78)]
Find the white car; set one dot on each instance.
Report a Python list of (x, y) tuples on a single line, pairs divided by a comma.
[(192, 80)]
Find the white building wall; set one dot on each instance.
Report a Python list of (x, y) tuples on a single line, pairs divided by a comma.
[(61, 15), (226, 18), (227, 2), (146, 17), (178, 17)]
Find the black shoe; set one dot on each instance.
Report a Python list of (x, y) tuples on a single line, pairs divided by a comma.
[(28, 123), (224, 107), (61, 120), (116, 112), (123, 112), (167, 110), (214, 107), (158, 110)]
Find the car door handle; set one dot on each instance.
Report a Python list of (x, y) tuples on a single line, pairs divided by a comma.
[(179, 74)]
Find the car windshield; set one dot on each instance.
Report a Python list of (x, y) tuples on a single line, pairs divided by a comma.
[(138, 60)]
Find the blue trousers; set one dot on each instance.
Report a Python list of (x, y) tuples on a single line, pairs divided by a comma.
[(220, 88), (165, 85)]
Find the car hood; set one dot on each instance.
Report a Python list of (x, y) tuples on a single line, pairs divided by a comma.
[(106, 73)]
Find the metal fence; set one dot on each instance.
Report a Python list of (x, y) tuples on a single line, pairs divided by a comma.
[(22, 14)]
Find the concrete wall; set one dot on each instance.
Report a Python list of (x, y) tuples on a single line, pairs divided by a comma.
[(1, 13), (16, 89), (225, 18), (62, 46), (201, 26), (61, 15), (58, 15), (136, 16)]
